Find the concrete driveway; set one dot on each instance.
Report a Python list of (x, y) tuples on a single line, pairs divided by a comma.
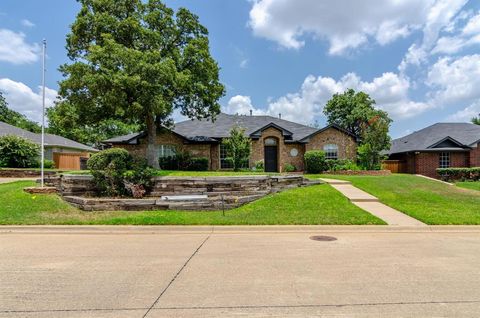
[(237, 272)]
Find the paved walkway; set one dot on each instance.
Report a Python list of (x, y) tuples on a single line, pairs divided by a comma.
[(372, 205), (238, 272)]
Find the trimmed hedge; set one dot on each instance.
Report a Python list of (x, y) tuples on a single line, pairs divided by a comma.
[(198, 164), (464, 174), (184, 161), (315, 161)]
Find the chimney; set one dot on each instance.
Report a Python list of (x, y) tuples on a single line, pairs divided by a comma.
[(280, 115), (251, 112)]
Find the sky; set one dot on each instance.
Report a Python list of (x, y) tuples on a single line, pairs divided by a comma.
[(419, 59)]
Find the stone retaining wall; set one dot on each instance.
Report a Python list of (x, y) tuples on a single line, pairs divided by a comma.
[(221, 192), (23, 173)]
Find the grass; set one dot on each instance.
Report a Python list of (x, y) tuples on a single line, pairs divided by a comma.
[(469, 185), (429, 201), (319, 204), (175, 173)]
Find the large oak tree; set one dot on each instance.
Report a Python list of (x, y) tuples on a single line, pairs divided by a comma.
[(136, 61)]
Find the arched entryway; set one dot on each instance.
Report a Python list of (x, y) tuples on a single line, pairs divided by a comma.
[(271, 154)]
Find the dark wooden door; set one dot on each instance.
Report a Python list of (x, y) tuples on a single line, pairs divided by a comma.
[(271, 160)]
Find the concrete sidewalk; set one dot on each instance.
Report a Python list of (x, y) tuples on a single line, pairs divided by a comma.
[(239, 272), (372, 205)]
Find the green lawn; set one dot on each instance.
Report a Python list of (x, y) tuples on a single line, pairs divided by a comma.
[(469, 185), (320, 204), (428, 201), (175, 173)]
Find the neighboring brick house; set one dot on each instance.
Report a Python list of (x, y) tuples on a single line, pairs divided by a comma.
[(276, 141), (441, 145)]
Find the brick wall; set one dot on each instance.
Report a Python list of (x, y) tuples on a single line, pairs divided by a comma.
[(426, 163), (475, 156), (347, 147), (258, 146)]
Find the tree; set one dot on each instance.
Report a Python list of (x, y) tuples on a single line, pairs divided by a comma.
[(356, 113), (136, 61), (14, 118), (350, 110), (63, 121), (375, 139), (238, 147), (476, 120)]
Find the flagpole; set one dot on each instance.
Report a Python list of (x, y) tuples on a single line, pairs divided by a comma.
[(42, 164)]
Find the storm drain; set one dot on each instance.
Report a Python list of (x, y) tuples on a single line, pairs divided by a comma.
[(323, 238)]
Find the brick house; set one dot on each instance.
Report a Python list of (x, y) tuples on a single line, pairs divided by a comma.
[(276, 141), (441, 145)]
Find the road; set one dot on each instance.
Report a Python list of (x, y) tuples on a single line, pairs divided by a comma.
[(239, 272)]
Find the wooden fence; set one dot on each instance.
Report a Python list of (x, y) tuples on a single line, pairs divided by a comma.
[(68, 161), (395, 166)]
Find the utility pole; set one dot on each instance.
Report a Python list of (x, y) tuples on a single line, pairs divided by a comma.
[(44, 51)]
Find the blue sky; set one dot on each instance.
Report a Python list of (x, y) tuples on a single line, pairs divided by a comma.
[(419, 59)]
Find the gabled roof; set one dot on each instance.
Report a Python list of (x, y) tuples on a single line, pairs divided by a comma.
[(50, 140), (335, 126), (439, 137), (208, 131)]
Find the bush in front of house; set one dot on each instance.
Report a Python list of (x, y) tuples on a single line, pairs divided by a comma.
[(198, 164), (184, 161), (315, 161), (464, 174), (18, 152), (47, 164), (289, 168), (117, 173), (260, 165), (341, 165)]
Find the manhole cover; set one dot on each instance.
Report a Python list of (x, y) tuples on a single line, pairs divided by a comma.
[(323, 238)]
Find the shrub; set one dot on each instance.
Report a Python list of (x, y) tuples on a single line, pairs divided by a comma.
[(315, 161), (464, 174), (198, 164), (260, 165), (116, 173), (47, 164), (168, 163), (18, 152), (341, 165), (289, 167)]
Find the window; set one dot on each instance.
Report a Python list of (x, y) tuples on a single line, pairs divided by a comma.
[(224, 162), (270, 142), (331, 151), (444, 160), (166, 151)]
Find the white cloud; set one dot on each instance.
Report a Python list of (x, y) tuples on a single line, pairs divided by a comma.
[(439, 17), (244, 63), (455, 81), (389, 90), (23, 99), (345, 24), (27, 23), (241, 105), (469, 35), (14, 49), (465, 115)]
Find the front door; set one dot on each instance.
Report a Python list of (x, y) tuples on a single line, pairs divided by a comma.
[(271, 159)]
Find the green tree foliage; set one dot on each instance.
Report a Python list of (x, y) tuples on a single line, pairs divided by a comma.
[(63, 121), (14, 118), (17, 152), (238, 147), (476, 120), (355, 112), (136, 61), (375, 139)]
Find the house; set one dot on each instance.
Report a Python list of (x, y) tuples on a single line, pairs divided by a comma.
[(65, 152), (441, 145), (276, 141)]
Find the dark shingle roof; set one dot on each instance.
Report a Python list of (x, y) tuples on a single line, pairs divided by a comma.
[(50, 140), (206, 130), (224, 123), (456, 136)]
